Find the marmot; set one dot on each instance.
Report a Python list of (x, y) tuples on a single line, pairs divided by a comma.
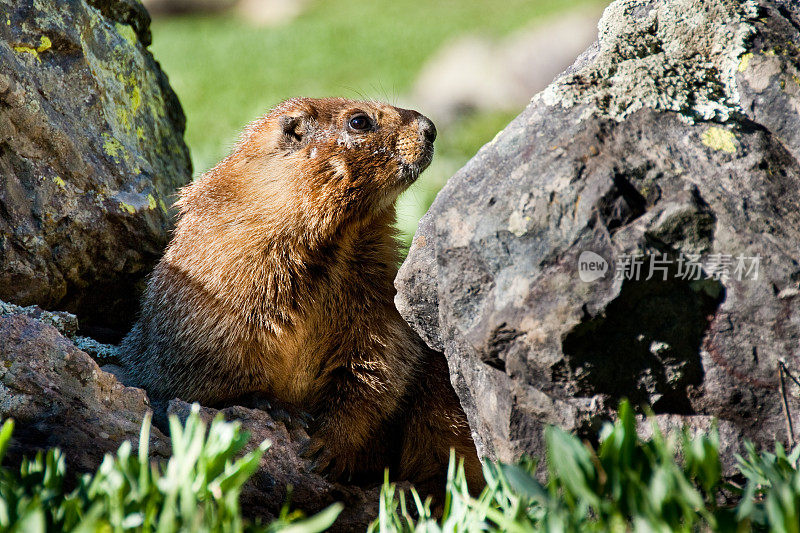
[(278, 280)]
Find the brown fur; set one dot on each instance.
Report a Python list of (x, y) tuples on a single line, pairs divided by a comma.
[(279, 281)]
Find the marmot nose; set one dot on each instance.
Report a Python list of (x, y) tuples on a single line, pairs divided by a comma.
[(427, 128)]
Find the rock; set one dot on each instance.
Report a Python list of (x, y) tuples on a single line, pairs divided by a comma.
[(59, 397), (92, 150), (65, 323), (479, 74), (102, 353), (674, 137), (729, 435)]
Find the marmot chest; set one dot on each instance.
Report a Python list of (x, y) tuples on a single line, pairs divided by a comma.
[(297, 366)]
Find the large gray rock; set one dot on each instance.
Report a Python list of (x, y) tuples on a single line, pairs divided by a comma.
[(91, 150), (677, 133)]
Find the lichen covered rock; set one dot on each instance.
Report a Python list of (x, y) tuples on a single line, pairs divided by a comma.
[(672, 143), (91, 150)]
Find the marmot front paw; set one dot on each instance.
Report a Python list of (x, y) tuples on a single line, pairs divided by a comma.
[(328, 458)]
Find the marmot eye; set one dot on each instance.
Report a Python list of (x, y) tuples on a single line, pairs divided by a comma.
[(359, 122)]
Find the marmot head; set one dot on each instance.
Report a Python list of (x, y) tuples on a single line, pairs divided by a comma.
[(332, 157), (359, 138)]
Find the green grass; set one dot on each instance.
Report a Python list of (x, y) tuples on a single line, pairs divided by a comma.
[(197, 490), (663, 483), (226, 73)]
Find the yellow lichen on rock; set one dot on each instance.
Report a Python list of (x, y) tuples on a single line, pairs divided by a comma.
[(122, 115), (113, 147), (80, 92), (126, 32), (744, 61), (136, 98), (44, 44), (719, 139), (27, 50), (126, 114)]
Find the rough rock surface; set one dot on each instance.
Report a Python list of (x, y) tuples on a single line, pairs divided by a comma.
[(675, 137), (59, 397), (91, 150)]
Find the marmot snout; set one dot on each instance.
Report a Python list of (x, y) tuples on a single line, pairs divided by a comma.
[(279, 281)]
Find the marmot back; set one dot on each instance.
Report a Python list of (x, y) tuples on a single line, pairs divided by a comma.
[(279, 281)]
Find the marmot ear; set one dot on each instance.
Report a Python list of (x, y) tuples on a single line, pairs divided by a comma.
[(294, 130)]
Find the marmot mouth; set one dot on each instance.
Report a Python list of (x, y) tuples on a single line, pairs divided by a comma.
[(409, 172)]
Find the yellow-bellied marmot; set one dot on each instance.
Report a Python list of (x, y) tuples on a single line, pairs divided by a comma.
[(279, 281)]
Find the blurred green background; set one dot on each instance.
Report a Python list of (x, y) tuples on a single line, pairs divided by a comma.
[(227, 72)]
